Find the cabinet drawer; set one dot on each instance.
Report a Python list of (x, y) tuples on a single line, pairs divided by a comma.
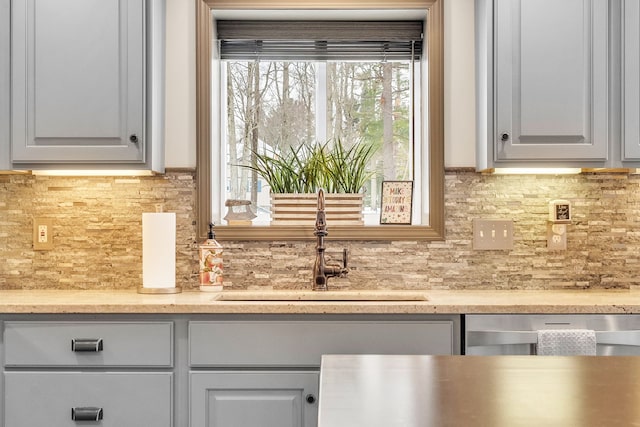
[(302, 343), (86, 344), (126, 399)]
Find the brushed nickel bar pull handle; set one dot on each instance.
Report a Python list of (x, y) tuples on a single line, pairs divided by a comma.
[(480, 338), (93, 345), (628, 337), (87, 414)]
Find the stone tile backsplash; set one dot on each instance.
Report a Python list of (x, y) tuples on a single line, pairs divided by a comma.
[(97, 229), (97, 225)]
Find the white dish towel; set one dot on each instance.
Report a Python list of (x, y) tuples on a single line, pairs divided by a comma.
[(566, 342)]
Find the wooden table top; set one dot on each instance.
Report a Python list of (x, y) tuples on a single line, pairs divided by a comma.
[(492, 391)]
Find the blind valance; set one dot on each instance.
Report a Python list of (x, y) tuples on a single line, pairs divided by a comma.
[(320, 40)]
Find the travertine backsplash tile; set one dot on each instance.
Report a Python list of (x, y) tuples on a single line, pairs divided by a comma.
[(97, 229), (97, 237)]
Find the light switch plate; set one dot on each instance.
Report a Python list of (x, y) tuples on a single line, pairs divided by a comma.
[(492, 234), (42, 234)]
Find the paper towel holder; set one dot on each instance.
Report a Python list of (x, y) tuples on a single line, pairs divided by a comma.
[(158, 253)]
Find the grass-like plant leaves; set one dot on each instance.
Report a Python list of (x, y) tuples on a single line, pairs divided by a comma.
[(305, 168)]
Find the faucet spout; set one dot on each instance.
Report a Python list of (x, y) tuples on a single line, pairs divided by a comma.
[(321, 271)]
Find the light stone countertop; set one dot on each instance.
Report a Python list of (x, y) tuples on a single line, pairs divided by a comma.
[(439, 301)]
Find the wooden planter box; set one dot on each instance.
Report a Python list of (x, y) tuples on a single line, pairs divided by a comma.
[(300, 209)]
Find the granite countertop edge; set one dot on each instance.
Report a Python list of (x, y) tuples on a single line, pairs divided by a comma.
[(438, 302)]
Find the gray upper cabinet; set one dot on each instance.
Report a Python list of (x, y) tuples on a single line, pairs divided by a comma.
[(631, 79), (5, 84), (86, 83), (543, 82)]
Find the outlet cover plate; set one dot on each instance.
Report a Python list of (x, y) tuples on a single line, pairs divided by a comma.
[(492, 234), (42, 234), (556, 236)]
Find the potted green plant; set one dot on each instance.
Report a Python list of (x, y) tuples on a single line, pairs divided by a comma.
[(295, 175)]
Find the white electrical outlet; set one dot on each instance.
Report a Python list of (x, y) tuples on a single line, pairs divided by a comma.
[(556, 236), (492, 234), (42, 234)]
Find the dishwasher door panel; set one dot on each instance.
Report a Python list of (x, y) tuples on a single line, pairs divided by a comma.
[(514, 334)]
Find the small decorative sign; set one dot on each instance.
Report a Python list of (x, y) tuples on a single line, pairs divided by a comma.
[(560, 211), (396, 202)]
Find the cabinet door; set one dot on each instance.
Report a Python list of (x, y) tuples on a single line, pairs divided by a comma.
[(77, 81), (254, 399), (631, 79), (551, 80), (5, 85), (126, 399)]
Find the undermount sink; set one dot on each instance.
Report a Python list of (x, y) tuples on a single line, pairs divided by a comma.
[(321, 296)]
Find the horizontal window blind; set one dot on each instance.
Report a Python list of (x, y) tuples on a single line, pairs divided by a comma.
[(320, 40)]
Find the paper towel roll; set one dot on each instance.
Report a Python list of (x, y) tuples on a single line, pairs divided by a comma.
[(159, 250)]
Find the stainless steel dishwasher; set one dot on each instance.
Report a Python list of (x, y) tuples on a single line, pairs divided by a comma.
[(494, 334)]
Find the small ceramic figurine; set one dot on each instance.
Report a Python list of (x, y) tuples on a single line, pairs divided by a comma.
[(239, 212)]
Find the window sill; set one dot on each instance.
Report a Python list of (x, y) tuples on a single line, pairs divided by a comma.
[(375, 232)]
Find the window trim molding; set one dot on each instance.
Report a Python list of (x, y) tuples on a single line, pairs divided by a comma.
[(435, 49)]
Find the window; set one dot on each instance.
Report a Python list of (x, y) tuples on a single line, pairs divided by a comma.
[(319, 92), (280, 94)]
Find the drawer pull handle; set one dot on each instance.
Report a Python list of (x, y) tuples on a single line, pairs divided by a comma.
[(86, 414), (87, 344)]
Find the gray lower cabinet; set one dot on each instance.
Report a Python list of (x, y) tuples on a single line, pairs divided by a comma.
[(254, 399), (631, 79), (107, 399), (200, 370), (60, 372), (86, 83), (264, 371)]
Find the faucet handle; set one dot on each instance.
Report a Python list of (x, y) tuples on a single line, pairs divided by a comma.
[(344, 270)]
